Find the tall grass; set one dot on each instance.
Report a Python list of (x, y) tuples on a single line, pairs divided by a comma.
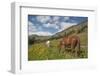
[(40, 51)]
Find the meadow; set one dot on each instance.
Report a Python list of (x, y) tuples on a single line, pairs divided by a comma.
[(39, 51)]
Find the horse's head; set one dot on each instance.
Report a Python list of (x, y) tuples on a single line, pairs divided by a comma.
[(62, 43)]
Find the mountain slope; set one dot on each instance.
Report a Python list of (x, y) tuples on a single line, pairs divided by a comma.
[(79, 28)]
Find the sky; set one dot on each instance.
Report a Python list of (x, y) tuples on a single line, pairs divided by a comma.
[(44, 25)]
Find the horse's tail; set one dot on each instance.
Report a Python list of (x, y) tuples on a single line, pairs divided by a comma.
[(78, 45)]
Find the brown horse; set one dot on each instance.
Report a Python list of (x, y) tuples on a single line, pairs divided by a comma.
[(70, 42)]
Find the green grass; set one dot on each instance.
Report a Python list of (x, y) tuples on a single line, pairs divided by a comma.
[(40, 51), (83, 38)]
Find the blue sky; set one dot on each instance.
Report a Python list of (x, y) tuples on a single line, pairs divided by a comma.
[(49, 25)]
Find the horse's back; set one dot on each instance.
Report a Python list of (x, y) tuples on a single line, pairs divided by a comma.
[(68, 40)]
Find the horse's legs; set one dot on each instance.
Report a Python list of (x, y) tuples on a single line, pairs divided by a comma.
[(76, 53), (62, 49), (73, 49), (78, 46)]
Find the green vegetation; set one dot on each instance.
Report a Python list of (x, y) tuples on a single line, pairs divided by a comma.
[(40, 51)]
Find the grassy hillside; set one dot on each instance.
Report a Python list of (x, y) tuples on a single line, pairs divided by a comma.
[(39, 51), (81, 27)]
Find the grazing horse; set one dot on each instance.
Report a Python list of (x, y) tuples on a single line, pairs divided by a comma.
[(70, 42)]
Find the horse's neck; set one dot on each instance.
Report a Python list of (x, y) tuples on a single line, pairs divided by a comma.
[(65, 37)]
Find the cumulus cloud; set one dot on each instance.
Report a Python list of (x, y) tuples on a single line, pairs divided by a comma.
[(32, 28), (56, 23), (48, 25), (56, 18), (65, 25), (43, 19), (42, 33), (66, 18)]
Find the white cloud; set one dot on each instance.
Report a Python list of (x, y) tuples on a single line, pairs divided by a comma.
[(42, 33), (57, 22), (48, 25), (33, 30), (43, 19), (65, 25), (56, 18), (31, 27), (53, 22), (66, 18)]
